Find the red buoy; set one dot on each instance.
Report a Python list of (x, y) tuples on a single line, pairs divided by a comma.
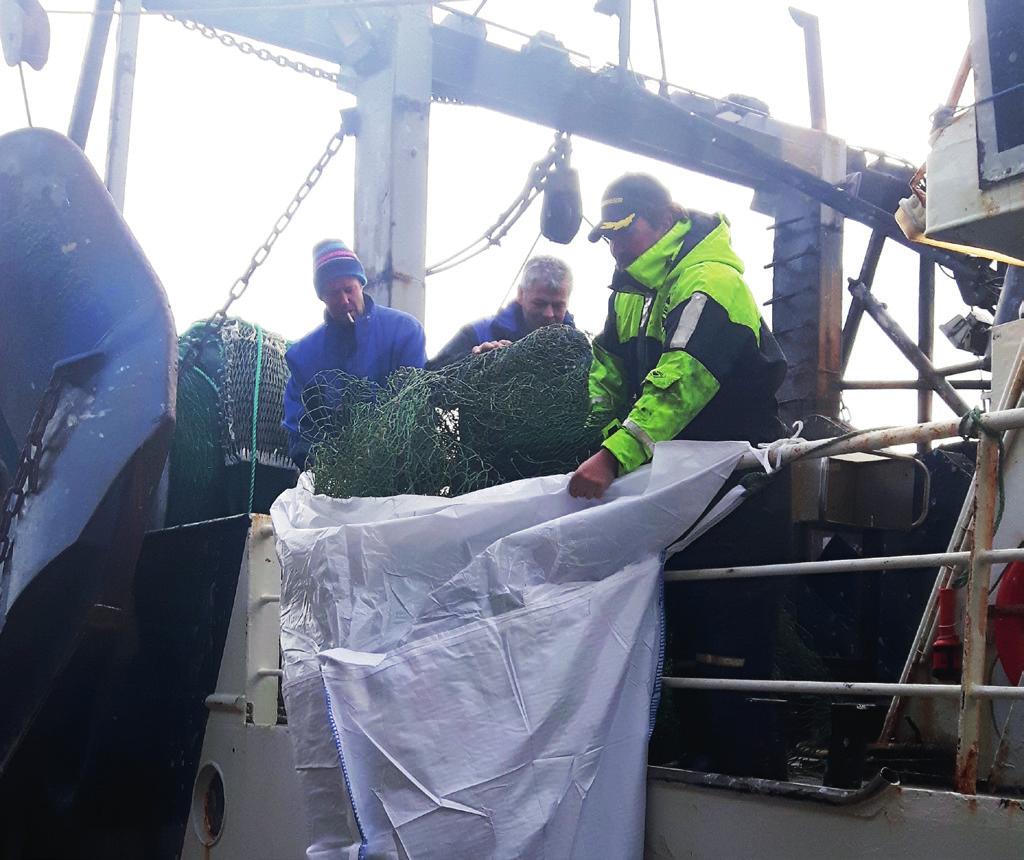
[(947, 651), (1008, 621)]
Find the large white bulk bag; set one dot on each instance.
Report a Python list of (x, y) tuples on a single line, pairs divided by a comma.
[(474, 677)]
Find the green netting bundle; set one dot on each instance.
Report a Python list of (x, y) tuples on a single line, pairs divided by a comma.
[(209, 472), (511, 413)]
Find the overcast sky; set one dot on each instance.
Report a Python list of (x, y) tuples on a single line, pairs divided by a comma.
[(220, 142)]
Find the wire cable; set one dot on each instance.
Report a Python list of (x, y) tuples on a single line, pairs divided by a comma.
[(535, 183), (492, 237), (507, 29), (24, 93), (519, 271), (998, 95)]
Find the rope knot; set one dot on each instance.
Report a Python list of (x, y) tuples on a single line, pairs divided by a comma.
[(973, 425)]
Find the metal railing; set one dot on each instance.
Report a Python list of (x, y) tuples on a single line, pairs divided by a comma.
[(977, 561)]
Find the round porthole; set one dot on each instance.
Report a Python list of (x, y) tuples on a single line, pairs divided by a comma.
[(208, 804)]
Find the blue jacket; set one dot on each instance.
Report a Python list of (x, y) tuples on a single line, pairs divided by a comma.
[(382, 340), (507, 324)]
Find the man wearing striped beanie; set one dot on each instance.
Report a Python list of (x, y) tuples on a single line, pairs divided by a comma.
[(358, 337)]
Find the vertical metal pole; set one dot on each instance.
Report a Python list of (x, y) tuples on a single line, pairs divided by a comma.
[(925, 340), (625, 23), (856, 312), (815, 73), (121, 107), (976, 617), (391, 166), (92, 68), (916, 656)]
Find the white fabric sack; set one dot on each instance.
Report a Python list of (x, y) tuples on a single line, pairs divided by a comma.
[(473, 677)]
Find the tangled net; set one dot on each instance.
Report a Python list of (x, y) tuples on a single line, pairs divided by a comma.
[(512, 413)]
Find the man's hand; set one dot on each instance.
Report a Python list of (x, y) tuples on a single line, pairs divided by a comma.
[(488, 345), (594, 476)]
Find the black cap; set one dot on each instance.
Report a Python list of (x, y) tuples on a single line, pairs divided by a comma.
[(626, 196)]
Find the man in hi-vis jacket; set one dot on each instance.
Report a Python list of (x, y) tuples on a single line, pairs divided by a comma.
[(684, 353)]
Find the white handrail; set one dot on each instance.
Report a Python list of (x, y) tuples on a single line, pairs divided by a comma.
[(843, 688), (877, 440), (843, 565)]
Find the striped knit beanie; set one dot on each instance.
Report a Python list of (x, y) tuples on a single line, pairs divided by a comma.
[(332, 258)]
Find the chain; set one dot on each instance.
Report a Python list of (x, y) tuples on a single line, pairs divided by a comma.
[(230, 41), (241, 284), (558, 153), (239, 287), (26, 478)]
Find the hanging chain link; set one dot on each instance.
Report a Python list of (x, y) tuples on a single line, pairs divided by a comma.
[(239, 287), (241, 284), (26, 478), (245, 47), (558, 154)]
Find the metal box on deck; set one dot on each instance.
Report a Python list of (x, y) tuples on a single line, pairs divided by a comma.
[(854, 490)]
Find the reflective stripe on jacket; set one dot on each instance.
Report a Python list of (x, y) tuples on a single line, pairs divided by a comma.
[(684, 352)]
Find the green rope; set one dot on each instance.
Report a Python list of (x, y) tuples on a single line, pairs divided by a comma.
[(255, 415)]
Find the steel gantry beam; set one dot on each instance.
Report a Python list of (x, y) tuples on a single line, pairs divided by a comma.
[(544, 87), (541, 85), (798, 173)]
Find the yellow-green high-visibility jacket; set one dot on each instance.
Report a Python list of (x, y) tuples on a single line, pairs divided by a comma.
[(684, 352)]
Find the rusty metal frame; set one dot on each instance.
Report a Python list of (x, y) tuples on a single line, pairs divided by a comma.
[(913, 353), (979, 559)]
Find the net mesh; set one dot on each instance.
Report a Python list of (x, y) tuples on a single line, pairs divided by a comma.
[(511, 413), (213, 434), (238, 390)]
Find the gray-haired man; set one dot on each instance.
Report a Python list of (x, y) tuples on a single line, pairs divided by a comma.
[(542, 299)]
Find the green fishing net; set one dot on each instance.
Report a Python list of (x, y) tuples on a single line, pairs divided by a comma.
[(209, 473), (512, 413)]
